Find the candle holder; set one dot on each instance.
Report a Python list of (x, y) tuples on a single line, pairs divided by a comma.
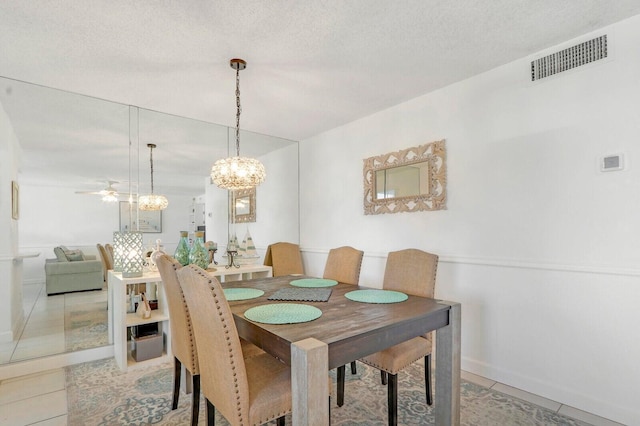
[(212, 255), (231, 259), (127, 248)]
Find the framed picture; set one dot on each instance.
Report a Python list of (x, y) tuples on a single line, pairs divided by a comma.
[(143, 221), (15, 200)]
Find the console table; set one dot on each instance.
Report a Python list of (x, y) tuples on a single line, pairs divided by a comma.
[(120, 321)]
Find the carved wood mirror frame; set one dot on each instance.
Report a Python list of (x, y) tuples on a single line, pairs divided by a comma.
[(244, 193), (434, 154)]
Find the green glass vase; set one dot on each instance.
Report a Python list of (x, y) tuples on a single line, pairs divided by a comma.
[(198, 254), (182, 251)]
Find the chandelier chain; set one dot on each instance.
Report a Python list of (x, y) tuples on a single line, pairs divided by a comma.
[(238, 111), (151, 160)]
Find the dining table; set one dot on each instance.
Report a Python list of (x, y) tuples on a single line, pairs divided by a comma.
[(344, 331)]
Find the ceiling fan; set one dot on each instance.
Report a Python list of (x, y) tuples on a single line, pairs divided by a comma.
[(109, 194)]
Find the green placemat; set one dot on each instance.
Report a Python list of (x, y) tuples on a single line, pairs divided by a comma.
[(376, 296), (242, 293), (283, 313), (313, 282)]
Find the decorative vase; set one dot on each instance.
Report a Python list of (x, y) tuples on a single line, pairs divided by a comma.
[(198, 254), (182, 251)]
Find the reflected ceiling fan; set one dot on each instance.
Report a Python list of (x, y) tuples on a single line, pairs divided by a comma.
[(109, 194)]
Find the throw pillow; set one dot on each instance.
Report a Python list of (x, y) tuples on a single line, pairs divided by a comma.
[(60, 254), (74, 256)]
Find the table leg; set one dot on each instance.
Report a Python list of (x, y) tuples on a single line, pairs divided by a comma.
[(447, 389), (310, 383)]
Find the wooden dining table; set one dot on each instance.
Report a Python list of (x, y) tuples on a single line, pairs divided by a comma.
[(346, 331)]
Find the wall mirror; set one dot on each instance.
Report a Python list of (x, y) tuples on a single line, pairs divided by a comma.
[(102, 141), (243, 205), (409, 180)]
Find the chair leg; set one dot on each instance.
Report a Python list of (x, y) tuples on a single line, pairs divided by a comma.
[(195, 402), (280, 421), (340, 390), (392, 399), (177, 368), (383, 377), (211, 413), (427, 379), (353, 368)]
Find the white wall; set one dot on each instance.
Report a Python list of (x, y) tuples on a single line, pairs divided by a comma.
[(537, 244)]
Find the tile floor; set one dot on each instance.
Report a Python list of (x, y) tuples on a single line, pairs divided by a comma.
[(43, 333), (41, 399)]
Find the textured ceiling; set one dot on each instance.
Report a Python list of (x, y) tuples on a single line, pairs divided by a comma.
[(312, 65)]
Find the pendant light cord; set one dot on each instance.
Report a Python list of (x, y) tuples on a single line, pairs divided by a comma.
[(238, 110), (151, 160)]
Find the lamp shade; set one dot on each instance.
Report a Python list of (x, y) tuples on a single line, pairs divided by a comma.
[(127, 253)]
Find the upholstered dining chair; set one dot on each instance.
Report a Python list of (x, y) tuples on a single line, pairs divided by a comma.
[(413, 272), (109, 248), (284, 258), (248, 391), (106, 263), (343, 265), (182, 337)]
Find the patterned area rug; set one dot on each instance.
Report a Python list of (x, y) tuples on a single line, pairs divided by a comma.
[(86, 326), (100, 394)]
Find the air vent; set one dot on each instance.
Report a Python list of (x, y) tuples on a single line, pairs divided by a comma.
[(569, 58), (612, 163)]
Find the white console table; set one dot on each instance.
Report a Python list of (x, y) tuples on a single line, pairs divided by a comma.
[(119, 320)]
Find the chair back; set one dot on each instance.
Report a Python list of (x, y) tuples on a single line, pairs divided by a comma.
[(343, 265), (284, 258), (109, 248), (223, 374), (411, 271), (105, 261), (183, 343)]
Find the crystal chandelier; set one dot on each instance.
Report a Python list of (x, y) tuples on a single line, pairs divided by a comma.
[(237, 172), (153, 201)]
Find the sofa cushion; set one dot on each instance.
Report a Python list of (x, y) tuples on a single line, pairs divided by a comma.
[(59, 252), (75, 255)]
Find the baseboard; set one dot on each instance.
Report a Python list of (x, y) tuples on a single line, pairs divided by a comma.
[(38, 365), (551, 391)]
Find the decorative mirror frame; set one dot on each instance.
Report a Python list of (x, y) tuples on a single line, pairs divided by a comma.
[(434, 153), (244, 218)]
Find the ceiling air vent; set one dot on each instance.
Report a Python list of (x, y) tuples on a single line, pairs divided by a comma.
[(569, 58)]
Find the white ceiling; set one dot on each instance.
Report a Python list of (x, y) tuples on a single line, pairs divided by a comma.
[(312, 65)]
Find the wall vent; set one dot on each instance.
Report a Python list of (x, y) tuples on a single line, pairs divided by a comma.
[(569, 58)]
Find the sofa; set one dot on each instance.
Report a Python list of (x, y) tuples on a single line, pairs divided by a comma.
[(71, 271)]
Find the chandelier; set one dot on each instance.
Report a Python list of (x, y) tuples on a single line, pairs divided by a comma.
[(153, 201), (237, 172)]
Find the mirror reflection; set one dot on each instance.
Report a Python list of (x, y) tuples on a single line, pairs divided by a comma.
[(74, 147), (402, 181)]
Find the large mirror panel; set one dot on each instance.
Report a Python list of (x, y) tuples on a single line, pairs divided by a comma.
[(73, 148)]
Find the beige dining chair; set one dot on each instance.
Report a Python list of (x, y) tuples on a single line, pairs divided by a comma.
[(106, 263), (182, 337), (284, 258), (413, 272), (109, 248), (248, 391), (343, 265)]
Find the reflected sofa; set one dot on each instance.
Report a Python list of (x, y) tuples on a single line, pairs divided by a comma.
[(72, 270)]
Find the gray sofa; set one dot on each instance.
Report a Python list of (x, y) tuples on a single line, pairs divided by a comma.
[(72, 270)]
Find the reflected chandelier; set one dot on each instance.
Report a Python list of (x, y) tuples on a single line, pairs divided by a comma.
[(237, 172), (152, 202)]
